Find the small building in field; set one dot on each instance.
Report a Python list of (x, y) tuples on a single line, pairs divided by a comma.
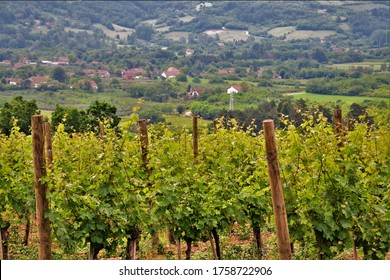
[(234, 89), (37, 81), (14, 81), (171, 72)]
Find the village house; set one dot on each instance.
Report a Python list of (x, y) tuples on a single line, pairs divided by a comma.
[(189, 52), (82, 82), (335, 49), (46, 62), (104, 74), (24, 60), (133, 73), (93, 84), (194, 92), (14, 81), (6, 62), (37, 81), (17, 66), (62, 60), (89, 72), (234, 89), (226, 71), (171, 72), (276, 76)]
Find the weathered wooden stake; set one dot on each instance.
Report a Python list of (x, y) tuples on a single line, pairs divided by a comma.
[(101, 129), (338, 130), (4, 235), (279, 208), (144, 148), (42, 206), (195, 136), (48, 145), (215, 125), (338, 124)]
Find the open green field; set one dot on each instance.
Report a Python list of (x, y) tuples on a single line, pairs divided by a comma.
[(365, 7), (281, 31), (40, 29), (46, 113), (119, 30), (305, 34), (77, 30), (180, 122), (226, 35), (344, 101), (162, 29), (175, 36), (150, 22), (47, 101), (186, 18), (375, 65)]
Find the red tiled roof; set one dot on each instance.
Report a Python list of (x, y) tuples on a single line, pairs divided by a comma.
[(171, 72), (38, 79)]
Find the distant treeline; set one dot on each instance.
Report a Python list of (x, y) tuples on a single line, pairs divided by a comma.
[(370, 85)]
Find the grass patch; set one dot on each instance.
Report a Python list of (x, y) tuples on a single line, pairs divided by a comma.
[(375, 65), (76, 30), (228, 35), (186, 18), (119, 30), (163, 29), (366, 7), (46, 113), (344, 101), (305, 34), (281, 31), (175, 36), (40, 29), (181, 122), (47, 100)]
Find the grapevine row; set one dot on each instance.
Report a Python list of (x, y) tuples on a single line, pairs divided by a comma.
[(105, 191)]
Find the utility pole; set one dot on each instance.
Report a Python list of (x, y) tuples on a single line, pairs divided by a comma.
[(231, 103)]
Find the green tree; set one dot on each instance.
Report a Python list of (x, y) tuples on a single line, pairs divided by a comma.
[(180, 109), (320, 55), (59, 74), (152, 116), (181, 77), (144, 32), (19, 110), (102, 112), (115, 83), (81, 121), (72, 119)]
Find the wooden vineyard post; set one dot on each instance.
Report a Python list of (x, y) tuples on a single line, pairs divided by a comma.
[(48, 145), (4, 235), (338, 125), (43, 224), (279, 208), (195, 136), (337, 119), (144, 148), (338, 130), (101, 130), (215, 125)]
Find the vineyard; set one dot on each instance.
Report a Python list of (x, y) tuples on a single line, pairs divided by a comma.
[(110, 192)]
